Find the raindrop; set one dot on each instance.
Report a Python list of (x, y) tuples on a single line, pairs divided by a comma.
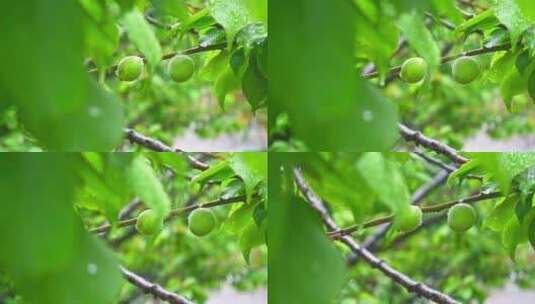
[(92, 268), (94, 111), (367, 115)]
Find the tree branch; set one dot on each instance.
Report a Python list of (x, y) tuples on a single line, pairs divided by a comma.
[(174, 212), (400, 278), (425, 209), (483, 50), (190, 51), (156, 145), (153, 288), (419, 139), (448, 168)]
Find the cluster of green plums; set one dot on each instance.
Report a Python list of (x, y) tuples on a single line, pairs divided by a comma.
[(201, 222), (461, 217), (180, 68), (464, 70)]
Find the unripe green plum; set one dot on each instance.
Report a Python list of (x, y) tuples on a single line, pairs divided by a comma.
[(461, 217), (201, 221), (181, 68), (413, 70), (130, 68), (465, 70), (410, 219), (149, 223)]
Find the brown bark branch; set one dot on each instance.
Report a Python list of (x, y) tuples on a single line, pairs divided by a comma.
[(156, 145), (419, 139), (153, 288)]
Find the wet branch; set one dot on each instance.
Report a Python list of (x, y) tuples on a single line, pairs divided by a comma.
[(156, 145), (425, 209), (175, 212), (153, 288), (419, 139)]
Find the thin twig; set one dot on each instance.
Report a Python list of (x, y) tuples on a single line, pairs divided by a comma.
[(156, 145), (418, 138), (483, 50), (153, 288), (402, 279), (449, 168), (425, 209), (173, 213), (190, 51)]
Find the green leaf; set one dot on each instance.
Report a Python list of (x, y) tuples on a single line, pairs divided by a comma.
[(234, 14), (420, 38), (251, 168), (252, 236), (384, 177), (483, 21), (511, 236), (217, 172), (47, 81), (527, 7), (304, 265), (511, 15), (142, 36), (501, 214), (239, 218), (47, 252), (254, 85), (176, 8), (225, 83), (376, 40), (313, 80), (144, 183)]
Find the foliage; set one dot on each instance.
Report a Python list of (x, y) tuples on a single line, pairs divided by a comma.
[(58, 247), (361, 197), (59, 75), (373, 39)]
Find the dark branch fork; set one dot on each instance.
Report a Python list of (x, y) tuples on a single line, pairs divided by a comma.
[(156, 145), (153, 288), (408, 283)]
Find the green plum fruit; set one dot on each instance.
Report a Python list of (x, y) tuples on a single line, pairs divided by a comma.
[(461, 217), (413, 70), (410, 219), (181, 68), (465, 70), (201, 221), (130, 68), (149, 223)]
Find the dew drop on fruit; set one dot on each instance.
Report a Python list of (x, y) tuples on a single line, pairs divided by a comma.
[(92, 268)]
